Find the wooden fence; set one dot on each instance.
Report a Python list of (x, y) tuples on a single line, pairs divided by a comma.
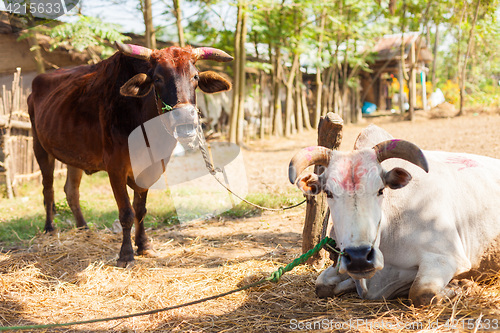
[(17, 160)]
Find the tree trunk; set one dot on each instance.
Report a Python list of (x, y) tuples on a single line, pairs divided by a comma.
[(305, 108), (331, 90), (261, 97), (277, 120), (412, 86), (346, 114), (178, 18), (147, 12), (289, 95), (242, 76), (330, 136), (273, 79), (319, 82), (464, 68), (336, 90), (434, 60), (459, 39), (401, 80), (298, 101), (233, 130), (327, 79), (36, 54)]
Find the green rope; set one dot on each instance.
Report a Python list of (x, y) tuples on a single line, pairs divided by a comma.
[(165, 107), (275, 276)]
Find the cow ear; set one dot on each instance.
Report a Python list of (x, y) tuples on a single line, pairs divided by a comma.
[(211, 82), (310, 184), (138, 86), (397, 178)]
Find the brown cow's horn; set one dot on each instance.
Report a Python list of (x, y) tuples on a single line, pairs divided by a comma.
[(401, 149), (307, 157), (210, 53), (135, 51)]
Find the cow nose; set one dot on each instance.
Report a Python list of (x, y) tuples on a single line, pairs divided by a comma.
[(359, 259), (188, 108)]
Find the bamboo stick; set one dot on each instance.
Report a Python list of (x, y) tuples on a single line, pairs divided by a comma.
[(20, 161), (8, 164)]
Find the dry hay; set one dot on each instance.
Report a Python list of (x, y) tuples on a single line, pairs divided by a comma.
[(70, 276)]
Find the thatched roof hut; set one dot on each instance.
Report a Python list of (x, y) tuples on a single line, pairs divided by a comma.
[(387, 65)]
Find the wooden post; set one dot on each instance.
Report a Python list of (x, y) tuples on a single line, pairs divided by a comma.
[(330, 136)]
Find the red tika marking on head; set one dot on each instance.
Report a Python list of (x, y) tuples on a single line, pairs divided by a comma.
[(350, 174), (178, 56), (466, 162), (359, 171), (310, 148), (345, 180)]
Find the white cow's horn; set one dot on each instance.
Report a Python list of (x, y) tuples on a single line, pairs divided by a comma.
[(401, 149), (135, 51), (316, 155)]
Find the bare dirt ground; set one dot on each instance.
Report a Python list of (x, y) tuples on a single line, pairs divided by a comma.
[(71, 276)]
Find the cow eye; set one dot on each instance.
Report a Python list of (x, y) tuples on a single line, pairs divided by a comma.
[(196, 77), (380, 192), (157, 79), (328, 194)]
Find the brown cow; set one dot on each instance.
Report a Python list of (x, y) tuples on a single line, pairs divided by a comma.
[(83, 117)]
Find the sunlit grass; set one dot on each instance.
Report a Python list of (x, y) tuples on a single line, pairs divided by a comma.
[(23, 217)]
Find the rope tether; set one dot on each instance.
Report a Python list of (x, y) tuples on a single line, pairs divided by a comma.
[(213, 171), (274, 277)]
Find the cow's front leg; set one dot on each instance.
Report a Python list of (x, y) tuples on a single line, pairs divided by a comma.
[(434, 274), (390, 282), (126, 216), (141, 240), (330, 283)]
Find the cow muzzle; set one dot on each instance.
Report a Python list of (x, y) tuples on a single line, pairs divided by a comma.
[(181, 122), (361, 262)]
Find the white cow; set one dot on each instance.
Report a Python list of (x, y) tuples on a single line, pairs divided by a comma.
[(397, 235)]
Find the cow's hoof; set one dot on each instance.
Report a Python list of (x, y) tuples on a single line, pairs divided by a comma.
[(83, 227), (125, 263), (148, 253), (49, 230), (427, 299), (324, 291)]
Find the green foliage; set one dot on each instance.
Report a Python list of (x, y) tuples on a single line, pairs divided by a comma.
[(483, 66), (266, 67), (87, 32)]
